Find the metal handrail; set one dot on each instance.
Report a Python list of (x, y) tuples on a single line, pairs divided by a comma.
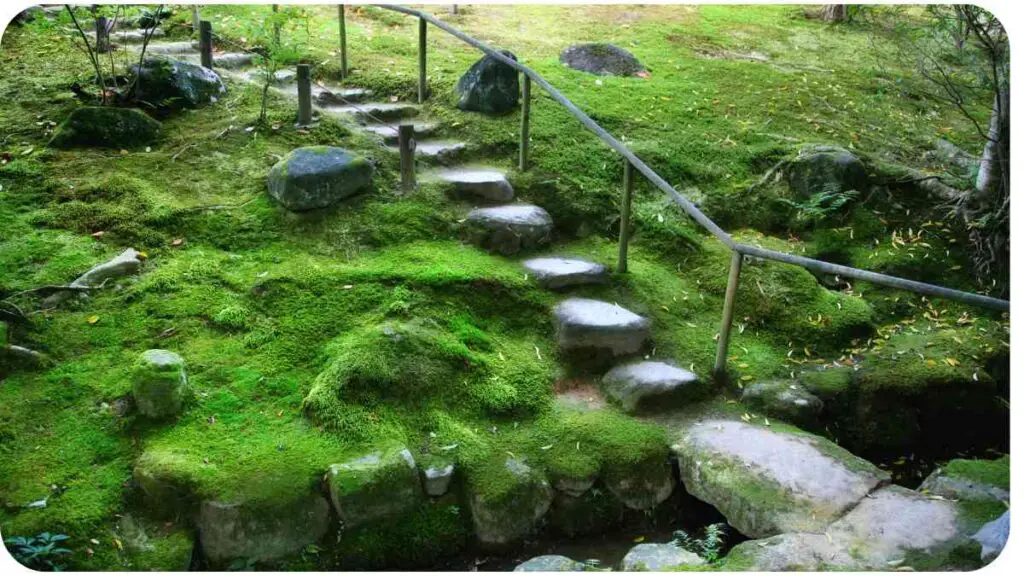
[(691, 210)]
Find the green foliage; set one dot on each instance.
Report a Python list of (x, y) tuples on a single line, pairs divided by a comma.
[(708, 547), (42, 552), (823, 206)]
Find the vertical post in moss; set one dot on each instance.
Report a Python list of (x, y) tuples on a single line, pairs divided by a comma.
[(305, 95), (277, 26), (195, 18), (454, 9), (406, 147), (524, 128), (628, 177), (727, 311), (102, 34), (423, 61), (206, 44), (344, 44)]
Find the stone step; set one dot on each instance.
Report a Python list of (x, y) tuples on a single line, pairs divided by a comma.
[(225, 61), (389, 132), (281, 78), (509, 229), (437, 150), (555, 272), (374, 112), (184, 47), (584, 324), (336, 95), (120, 36), (650, 385), (477, 183)]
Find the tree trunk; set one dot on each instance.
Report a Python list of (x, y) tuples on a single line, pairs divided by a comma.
[(834, 13), (993, 171)]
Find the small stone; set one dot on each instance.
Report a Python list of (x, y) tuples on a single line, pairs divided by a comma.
[(658, 558), (509, 229), (437, 479), (504, 518), (649, 384), (592, 324), (374, 487), (555, 273), (317, 176), (818, 168), (159, 384), (550, 563)]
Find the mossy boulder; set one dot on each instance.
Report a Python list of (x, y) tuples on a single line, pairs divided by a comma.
[(106, 127), (970, 480), (261, 531), (601, 59), (489, 86), (174, 83), (819, 168), (153, 546), (550, 563), (159, 384), (785, 399), (651, 557), (374, 487), (643, 484), (316, 177), (506, 501)]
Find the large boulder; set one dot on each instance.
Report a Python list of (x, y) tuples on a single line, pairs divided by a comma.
[(261, 532), (831, 169), (603, 59), (170, 82), (375, 487), (784, 399), (507, 510), (766, 481), (159, 384), (489, 86), (645, 385), (509, 229), (317, 176), (651, 557), (106, 127)]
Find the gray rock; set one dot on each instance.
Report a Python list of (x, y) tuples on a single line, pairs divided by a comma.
[(550, 563), (106, 127), (489, 86), (582, 323), (505, 518), (603, 59), (279, 77), (232, 60), (171, 82), (481, 184), (766, 482), (124, 264), (993, 536), (159, 384), (337, 95), (183, 47), (793, 552), (785, 399), (649, 384), (940, 483), (374, 487), (389, 132), (509, 229), (658, 558), (317, 176), (230, 531), (374, 112), (643, 485), (826, 169), (555, 273), (132, 36), (440, 150), (575, 486), (437, 479)]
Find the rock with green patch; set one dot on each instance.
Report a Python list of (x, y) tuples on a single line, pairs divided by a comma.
[(509, 229), (766, 481), (437, 479), (174, 83), (650, 557), (646, 385), (106, 127), (489, 86), (315, 177), (261, 531), (970, 480), (155, 547), (785, 399), (550, 563), (641, 485), (829, 169), (601, 59), (505, 511), (159, 384), (377, 486)]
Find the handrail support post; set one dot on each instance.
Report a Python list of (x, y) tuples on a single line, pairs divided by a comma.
[(423, 61), (344, 44), (524, 128), (727, 312), (406, 147), (628, 178), (206, 44)]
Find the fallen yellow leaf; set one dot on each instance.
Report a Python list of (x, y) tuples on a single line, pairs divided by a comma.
[(93, 319)]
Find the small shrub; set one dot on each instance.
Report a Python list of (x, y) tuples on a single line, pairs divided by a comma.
[(42, 552), (709, 547)]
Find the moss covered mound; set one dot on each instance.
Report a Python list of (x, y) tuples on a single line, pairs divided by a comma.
[(106, 127)]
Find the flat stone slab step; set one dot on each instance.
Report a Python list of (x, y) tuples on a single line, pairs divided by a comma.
[(389, 132), (281, 77), (509, 229), (440, 150), (478, 183), (645, 385), (554, 272), (374, 112), (766, 481), (120, 36), (582, 323), (184, 47)]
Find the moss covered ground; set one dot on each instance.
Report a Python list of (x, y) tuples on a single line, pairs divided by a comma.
[(287, 322)]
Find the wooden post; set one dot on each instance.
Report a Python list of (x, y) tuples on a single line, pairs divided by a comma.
[(727, 310), (406, 147), (305, 95), (195, 18), (524, 127), (344, 48), (102, 35), (627, 202), (423, 61), (206, 44), (277, 27), (454, 9)]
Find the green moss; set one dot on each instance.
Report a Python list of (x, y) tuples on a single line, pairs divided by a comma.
[(106, 126), (991, 472)]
